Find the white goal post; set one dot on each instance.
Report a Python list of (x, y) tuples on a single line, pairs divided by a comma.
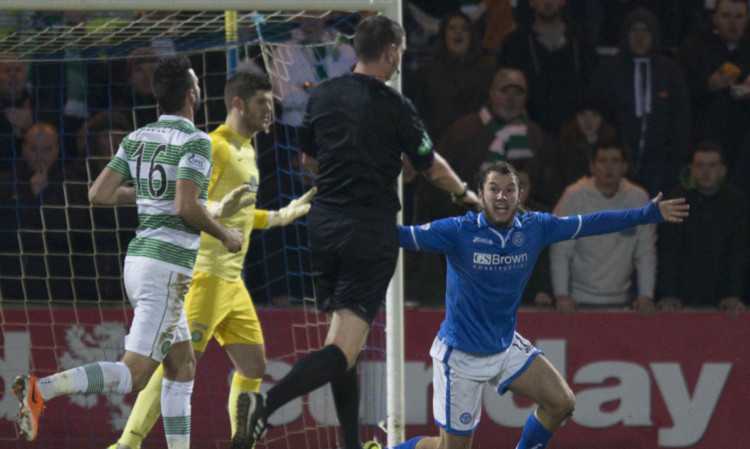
[(391, 8)]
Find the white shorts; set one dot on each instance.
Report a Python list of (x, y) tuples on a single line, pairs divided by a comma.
[(458, 377), (158, 296)]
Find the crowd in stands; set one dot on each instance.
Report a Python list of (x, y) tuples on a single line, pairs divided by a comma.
[(600, 104), (61, 123)]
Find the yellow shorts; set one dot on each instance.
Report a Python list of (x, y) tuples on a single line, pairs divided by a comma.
[(223, 309)]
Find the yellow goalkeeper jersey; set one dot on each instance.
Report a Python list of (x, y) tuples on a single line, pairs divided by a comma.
[(234, 164)]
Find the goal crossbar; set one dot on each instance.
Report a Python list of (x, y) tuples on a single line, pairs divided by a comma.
[(387, 7)]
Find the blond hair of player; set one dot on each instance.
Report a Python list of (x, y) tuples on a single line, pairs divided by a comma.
[(218, 303)]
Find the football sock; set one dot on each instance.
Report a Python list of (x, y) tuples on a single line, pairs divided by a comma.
[(175, 411), (239, 385), (99, 377), (310, 372), (534, 435), (345, 390), (146, 411)]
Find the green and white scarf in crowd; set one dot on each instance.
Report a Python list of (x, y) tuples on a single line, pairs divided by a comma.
[(511, 142)]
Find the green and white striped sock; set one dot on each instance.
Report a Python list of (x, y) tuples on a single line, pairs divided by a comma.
[(175, 411), (94, 378)]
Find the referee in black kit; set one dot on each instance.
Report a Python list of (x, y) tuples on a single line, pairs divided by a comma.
[(354, 132)]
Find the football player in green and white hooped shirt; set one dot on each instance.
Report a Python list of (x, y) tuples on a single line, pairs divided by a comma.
[(170, 164)]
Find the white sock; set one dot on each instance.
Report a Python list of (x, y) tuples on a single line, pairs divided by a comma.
[(94, 378), (175, 412)]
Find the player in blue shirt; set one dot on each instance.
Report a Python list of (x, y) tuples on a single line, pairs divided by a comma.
[(490, 256)]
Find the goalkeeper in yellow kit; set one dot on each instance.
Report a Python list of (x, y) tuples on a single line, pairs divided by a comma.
[(218, 303)]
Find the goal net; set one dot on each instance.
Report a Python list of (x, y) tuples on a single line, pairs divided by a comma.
[(72, 85)]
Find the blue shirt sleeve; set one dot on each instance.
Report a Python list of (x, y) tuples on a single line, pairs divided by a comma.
[(604, 222), (439, 236)]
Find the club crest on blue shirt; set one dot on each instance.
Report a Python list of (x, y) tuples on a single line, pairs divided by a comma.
[(425, 227), (519, 239)]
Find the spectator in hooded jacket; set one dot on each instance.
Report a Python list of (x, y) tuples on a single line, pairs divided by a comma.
[(717, 67), (701, 262), (648, 98), (556, 59)]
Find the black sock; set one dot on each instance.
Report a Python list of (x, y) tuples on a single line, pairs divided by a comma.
[(310, 372), (346, 397)]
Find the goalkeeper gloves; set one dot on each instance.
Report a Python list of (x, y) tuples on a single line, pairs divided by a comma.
[(231, 203), (294, 210)]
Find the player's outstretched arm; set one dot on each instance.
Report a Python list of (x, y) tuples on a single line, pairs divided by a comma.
[(294, 210), (673, 211), (232, 203), (442, 176)]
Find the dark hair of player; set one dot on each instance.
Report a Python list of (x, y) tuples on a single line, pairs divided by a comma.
[(500, 167), (245, 84), (171, 83)]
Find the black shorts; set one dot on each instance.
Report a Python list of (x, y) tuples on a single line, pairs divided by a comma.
[(353, 260)]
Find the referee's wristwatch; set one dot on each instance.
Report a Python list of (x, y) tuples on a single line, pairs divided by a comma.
[(457, 197)]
